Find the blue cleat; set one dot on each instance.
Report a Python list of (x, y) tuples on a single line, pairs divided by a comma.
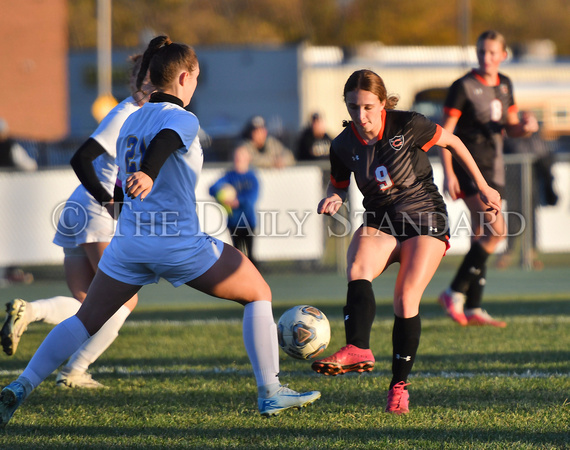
[(286, 398), (11, 398)]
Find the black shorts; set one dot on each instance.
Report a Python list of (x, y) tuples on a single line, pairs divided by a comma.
[(434, 224), (468, 187)]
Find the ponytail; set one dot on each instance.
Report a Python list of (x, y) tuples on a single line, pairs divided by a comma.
[(153, 46)]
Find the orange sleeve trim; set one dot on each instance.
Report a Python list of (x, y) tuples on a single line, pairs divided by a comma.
[(513, 109), (339, 184), (434, 139), (452, 112)]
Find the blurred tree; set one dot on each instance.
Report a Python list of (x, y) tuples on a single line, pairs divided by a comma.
[(321, 22)]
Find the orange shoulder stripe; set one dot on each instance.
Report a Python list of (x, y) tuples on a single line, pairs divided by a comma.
[(434, 139), (339, 184), (452, 112)]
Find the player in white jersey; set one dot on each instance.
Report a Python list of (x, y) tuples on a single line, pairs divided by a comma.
[(84, 230), (158, 235)]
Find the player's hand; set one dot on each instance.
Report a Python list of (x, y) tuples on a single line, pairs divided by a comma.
[(329, 205), (491, 198), (451, 186), (529, 123), (139, 183)]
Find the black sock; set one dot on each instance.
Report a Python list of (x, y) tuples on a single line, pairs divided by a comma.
[(359, 313), (474, 296), (470, 268), (405, 342)]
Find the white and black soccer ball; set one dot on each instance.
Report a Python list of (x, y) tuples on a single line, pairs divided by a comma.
[(304, 332)]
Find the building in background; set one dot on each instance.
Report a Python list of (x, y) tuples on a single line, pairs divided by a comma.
[(48, 91), (33, 74)]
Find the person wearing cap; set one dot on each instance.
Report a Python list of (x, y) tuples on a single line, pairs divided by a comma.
[(266, 150), (314, 142), (12, 154)]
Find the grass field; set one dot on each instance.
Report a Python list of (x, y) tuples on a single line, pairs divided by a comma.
[(178, 375)]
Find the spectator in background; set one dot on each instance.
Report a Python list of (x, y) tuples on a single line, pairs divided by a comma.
[(238, 191), (314, 142), (12, 154), (266, 150)]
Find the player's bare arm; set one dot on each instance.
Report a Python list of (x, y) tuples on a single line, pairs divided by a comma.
[(524, 127), (450, 182)]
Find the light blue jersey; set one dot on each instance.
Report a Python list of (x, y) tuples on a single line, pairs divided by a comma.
[(161, 233)]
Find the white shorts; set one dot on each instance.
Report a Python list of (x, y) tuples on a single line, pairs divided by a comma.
[(82, 221), (184, 266)]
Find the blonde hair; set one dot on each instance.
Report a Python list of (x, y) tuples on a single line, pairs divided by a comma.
[(493, 36)]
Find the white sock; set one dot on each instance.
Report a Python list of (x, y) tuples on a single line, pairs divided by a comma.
[(260, 339), (54, 310), (59, 344), (98, 343)]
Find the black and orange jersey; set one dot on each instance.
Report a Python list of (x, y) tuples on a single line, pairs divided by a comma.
[(482, 111), (394, 174)]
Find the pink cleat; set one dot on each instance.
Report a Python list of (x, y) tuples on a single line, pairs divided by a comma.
[(398, 399), (453, 303), (347, 359), (480, 317)]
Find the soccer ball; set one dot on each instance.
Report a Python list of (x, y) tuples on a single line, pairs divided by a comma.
[(303, 332), (226, 196)]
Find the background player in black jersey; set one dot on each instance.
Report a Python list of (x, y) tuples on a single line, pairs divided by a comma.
[(405, 221), (479, 106)]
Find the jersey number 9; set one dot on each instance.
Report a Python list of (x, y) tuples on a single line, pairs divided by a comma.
[(383, 178)]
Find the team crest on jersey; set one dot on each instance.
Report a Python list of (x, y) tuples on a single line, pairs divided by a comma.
[(504, 89), (397, 142)]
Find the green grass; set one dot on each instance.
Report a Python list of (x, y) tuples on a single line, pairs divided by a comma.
[(178, 380)]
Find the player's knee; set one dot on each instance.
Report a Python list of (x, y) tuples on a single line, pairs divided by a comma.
[(262, 291), (132, 302), (79, 295), (406, 302), (357, 271)]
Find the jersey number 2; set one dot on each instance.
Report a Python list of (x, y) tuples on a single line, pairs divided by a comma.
[(383, 178), (134, 154)]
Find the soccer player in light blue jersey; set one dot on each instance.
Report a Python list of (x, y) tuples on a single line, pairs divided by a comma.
[(158, 236)]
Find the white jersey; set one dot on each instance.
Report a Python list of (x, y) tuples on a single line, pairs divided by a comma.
[(84, 220), (106, 135), (164, 228)]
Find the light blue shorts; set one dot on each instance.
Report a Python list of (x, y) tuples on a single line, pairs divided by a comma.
[(177, 267)]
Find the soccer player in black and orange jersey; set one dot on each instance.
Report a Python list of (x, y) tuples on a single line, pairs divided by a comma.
[(405, 221), (479, 107)]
